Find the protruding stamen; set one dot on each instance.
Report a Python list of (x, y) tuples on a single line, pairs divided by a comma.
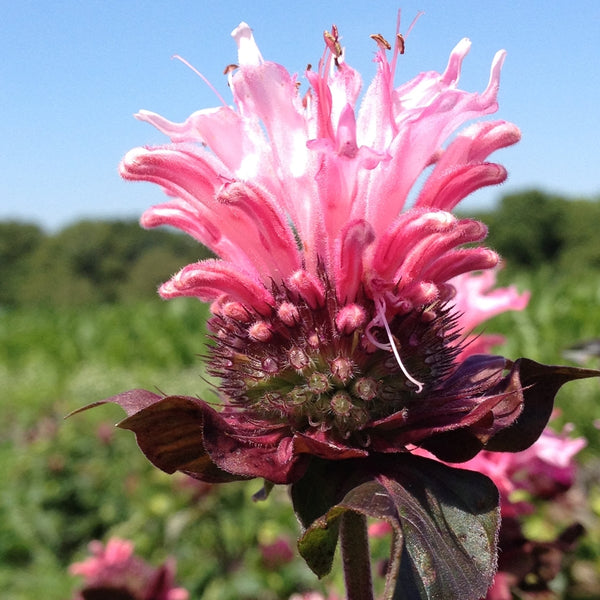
[(333, 42), (400, 43), (206, 81), (380, 304), (381, 41)]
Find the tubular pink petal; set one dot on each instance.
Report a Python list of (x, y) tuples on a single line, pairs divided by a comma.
[(345, 84), (451, 75), (177, 132), (236, 142), (471, 147), (308, 287), (321, 106), (447, 191), (193, 177), (277, 244), (423, 293), (185, 219), (248, 52), (266, 91), (350, 318), (207, 280), (375, 124), (406, 232), (487, 137), (346, 133), (434, 246), (354, 239), (234, 310), (460, 261), (288, 313), (493, 86), (260, 331)]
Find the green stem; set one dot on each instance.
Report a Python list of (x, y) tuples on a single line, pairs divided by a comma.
[(356, 557)]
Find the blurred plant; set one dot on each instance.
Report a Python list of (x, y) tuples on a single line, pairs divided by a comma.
[(527, 481), (113, 572), (335, 337)]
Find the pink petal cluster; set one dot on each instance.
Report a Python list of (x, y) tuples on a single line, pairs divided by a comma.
[(476, 301), (334, 331), (283, 186), (314, 596), (115, 567)]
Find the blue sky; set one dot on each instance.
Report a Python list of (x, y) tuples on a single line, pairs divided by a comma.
[(73, 73)]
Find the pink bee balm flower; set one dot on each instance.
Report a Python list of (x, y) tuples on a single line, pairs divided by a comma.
[(113, 571), (333, 336), (476, 302)]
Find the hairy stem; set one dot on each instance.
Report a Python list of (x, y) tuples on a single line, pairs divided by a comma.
[(356, 557)]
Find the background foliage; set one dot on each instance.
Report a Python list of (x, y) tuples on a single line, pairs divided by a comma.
[(79, 321)]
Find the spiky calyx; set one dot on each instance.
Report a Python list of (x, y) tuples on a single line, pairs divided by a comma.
[(325, 366)]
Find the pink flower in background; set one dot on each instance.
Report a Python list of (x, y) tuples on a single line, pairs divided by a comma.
[(114, 572), (548, 467), (476, 301), (314, 596), (276, 553), (544, 470)]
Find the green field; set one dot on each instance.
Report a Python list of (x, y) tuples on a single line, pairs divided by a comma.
[(66, 482)]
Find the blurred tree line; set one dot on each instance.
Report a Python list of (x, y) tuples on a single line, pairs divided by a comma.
[(88, 262), (531, 229), (117, 261)]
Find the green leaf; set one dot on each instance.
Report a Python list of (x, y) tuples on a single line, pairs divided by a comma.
[(323, 485), (449, 519), (445, 524)]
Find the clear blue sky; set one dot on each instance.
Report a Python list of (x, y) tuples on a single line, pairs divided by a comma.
[(73, 73)]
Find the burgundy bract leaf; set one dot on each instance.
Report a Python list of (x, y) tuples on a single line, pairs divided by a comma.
[(539, 385), (514, 415), (170, 434), (253, 451)]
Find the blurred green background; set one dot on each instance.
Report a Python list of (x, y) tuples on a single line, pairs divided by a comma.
[(80, 321)]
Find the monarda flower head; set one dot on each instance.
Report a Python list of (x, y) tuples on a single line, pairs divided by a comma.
[(334, 339)]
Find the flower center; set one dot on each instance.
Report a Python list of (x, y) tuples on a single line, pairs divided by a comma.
[(307, 373)]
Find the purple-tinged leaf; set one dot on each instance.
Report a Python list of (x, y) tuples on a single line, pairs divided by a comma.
[(449, 520), (524, 403), (170, 433), (539, 385), (445, 524)]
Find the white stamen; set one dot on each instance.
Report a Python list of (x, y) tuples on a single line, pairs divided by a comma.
[(391, 346), (206, 81)]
